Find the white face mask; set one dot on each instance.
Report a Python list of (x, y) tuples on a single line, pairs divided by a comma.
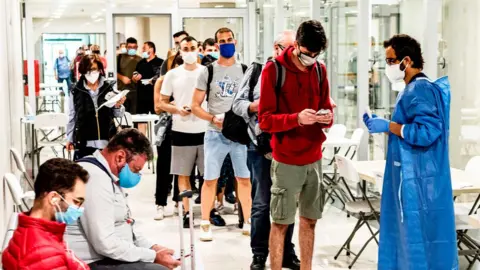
[(189, 57), (92, 76), (307, 60), (394, 73)]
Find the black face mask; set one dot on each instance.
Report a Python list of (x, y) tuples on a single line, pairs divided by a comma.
[(96, 52)]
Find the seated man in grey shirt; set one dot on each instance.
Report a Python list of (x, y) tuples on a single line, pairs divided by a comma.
[(106, 236)]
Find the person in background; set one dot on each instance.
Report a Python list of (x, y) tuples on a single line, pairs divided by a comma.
[(75, 63), (418, 220), (147, 70), (88, 131), (122, 48), (106, 236), (259, 164), (126, 65), (61, 69), (291, 117), (96, 51), (210, 51), (37, 243), (188, 131), (174, 57), (227, 74), (200, 49)]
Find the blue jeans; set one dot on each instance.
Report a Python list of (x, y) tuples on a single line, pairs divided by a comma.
[(69, 82), (261, 183)]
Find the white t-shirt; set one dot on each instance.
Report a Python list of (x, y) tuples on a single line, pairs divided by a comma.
[(180, 83)]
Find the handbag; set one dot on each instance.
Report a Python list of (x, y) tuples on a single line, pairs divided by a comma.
[(162, 126)]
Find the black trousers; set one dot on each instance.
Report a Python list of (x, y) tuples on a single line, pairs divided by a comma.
[(164, 178), (82, 152)]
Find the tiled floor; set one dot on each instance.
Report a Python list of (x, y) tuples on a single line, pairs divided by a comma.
[(230, 250)]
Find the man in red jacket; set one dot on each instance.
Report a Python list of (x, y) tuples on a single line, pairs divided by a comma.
[(296, 118), (38, 240)]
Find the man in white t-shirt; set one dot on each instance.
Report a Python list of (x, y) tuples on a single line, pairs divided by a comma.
[(187, 130)]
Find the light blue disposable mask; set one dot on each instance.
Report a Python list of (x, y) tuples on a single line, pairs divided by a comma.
[(215, 55), (69, 217), (145, 55), (127, 178), (132, 52), (123, 50)]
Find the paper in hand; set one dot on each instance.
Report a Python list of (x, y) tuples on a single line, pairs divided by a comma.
[(113, 99)]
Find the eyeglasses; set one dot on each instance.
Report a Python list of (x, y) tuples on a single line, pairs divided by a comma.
[(391, 61)]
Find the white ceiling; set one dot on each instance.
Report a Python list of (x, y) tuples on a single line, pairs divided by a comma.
[(96, 8)]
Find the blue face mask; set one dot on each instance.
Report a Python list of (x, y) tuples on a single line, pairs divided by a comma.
[(127, 178), (215, 55), (145, 55), (227, 50), (69, 217), (132, 52), (200, 55)]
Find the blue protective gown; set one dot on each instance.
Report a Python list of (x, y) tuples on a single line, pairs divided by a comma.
[(417, 223)]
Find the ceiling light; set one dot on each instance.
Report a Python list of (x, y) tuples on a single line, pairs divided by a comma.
[(46, 25), (62, 6), (267, 5), (103, 10), (98, 20), (94, 16), (148, 6), (218, 6)]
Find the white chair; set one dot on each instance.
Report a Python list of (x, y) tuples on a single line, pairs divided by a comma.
[(20, 198), (124, 122), (365, 210), (11, 227), (337, 131), (49, 121), (21, 167), (357, 139)]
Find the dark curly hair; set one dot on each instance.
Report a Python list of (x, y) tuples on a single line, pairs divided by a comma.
[(405, 45), (311, 35), (86, 64), (58, 175), (132, 141)]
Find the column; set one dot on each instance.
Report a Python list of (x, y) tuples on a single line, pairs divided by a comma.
[(430, 36), (315, 9), (279, 25), (364, 43)]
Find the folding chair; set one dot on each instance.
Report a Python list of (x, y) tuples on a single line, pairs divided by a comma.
[(11, 227), (49, 121), (21, 168), (365, 210), (357, 138), (20, 198)]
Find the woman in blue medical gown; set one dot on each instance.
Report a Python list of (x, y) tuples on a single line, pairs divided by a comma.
[(417, 222)]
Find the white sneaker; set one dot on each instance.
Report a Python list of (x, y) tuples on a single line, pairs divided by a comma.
[(247, 226), (160, 213), (205, 231), (175, 210)]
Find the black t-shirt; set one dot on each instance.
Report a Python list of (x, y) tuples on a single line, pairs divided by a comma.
[(148, 70)]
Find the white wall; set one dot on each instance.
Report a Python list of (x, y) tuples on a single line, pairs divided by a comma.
[(66, 25), (412, 18), (160, 34)]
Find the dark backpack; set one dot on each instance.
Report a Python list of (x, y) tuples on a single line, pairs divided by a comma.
[(234, 127)]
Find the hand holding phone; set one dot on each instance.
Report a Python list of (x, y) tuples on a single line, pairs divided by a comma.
[(323, 112)]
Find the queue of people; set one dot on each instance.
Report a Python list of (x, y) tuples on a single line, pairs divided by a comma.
[(279, 169)]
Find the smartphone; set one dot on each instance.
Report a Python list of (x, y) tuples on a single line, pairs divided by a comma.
[(323, 112), (187, 108)]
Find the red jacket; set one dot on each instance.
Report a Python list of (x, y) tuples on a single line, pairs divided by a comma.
[(37, 244), (293, 144)]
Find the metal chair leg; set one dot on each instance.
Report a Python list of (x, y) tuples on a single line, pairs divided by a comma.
[(349, 239)]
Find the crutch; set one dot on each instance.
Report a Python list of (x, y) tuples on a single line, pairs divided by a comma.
[(186, 194)]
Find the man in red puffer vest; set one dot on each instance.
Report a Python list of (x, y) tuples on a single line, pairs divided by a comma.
[(37, 243), (296, 114)]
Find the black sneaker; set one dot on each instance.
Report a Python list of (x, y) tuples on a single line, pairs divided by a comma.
[(230, 198), (216, 219), (186, 220), (258, 263), (292, 263), (198, 200)]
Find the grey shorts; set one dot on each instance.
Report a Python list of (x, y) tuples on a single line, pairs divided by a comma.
[(184, 158), (290, 181)]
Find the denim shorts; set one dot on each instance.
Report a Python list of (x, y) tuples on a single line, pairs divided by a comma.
[(216, 148)]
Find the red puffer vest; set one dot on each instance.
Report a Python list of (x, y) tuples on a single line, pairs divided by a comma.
[(38, 244)]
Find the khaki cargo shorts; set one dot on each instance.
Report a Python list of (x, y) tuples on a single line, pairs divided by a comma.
[(290, 182)]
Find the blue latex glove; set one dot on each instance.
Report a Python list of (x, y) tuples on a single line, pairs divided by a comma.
[(378, 125), (366, 117)]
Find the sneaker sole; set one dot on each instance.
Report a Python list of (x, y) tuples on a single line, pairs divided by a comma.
[(156, 218), (246, 233), (206, 239)]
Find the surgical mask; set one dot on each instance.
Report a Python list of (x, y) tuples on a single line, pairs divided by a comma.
[(145, 55), (60, 55), (92, 76), (200, 55), (394, 72), (215, 55), (132, 52), (227, 50), (127, 178), (123, 50), (306, 60), (189, 57), (69, 217)]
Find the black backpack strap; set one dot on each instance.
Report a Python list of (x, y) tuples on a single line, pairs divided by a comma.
[(256, 71), (318, 68), (244, 68), (97, 163), (210, 78)]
